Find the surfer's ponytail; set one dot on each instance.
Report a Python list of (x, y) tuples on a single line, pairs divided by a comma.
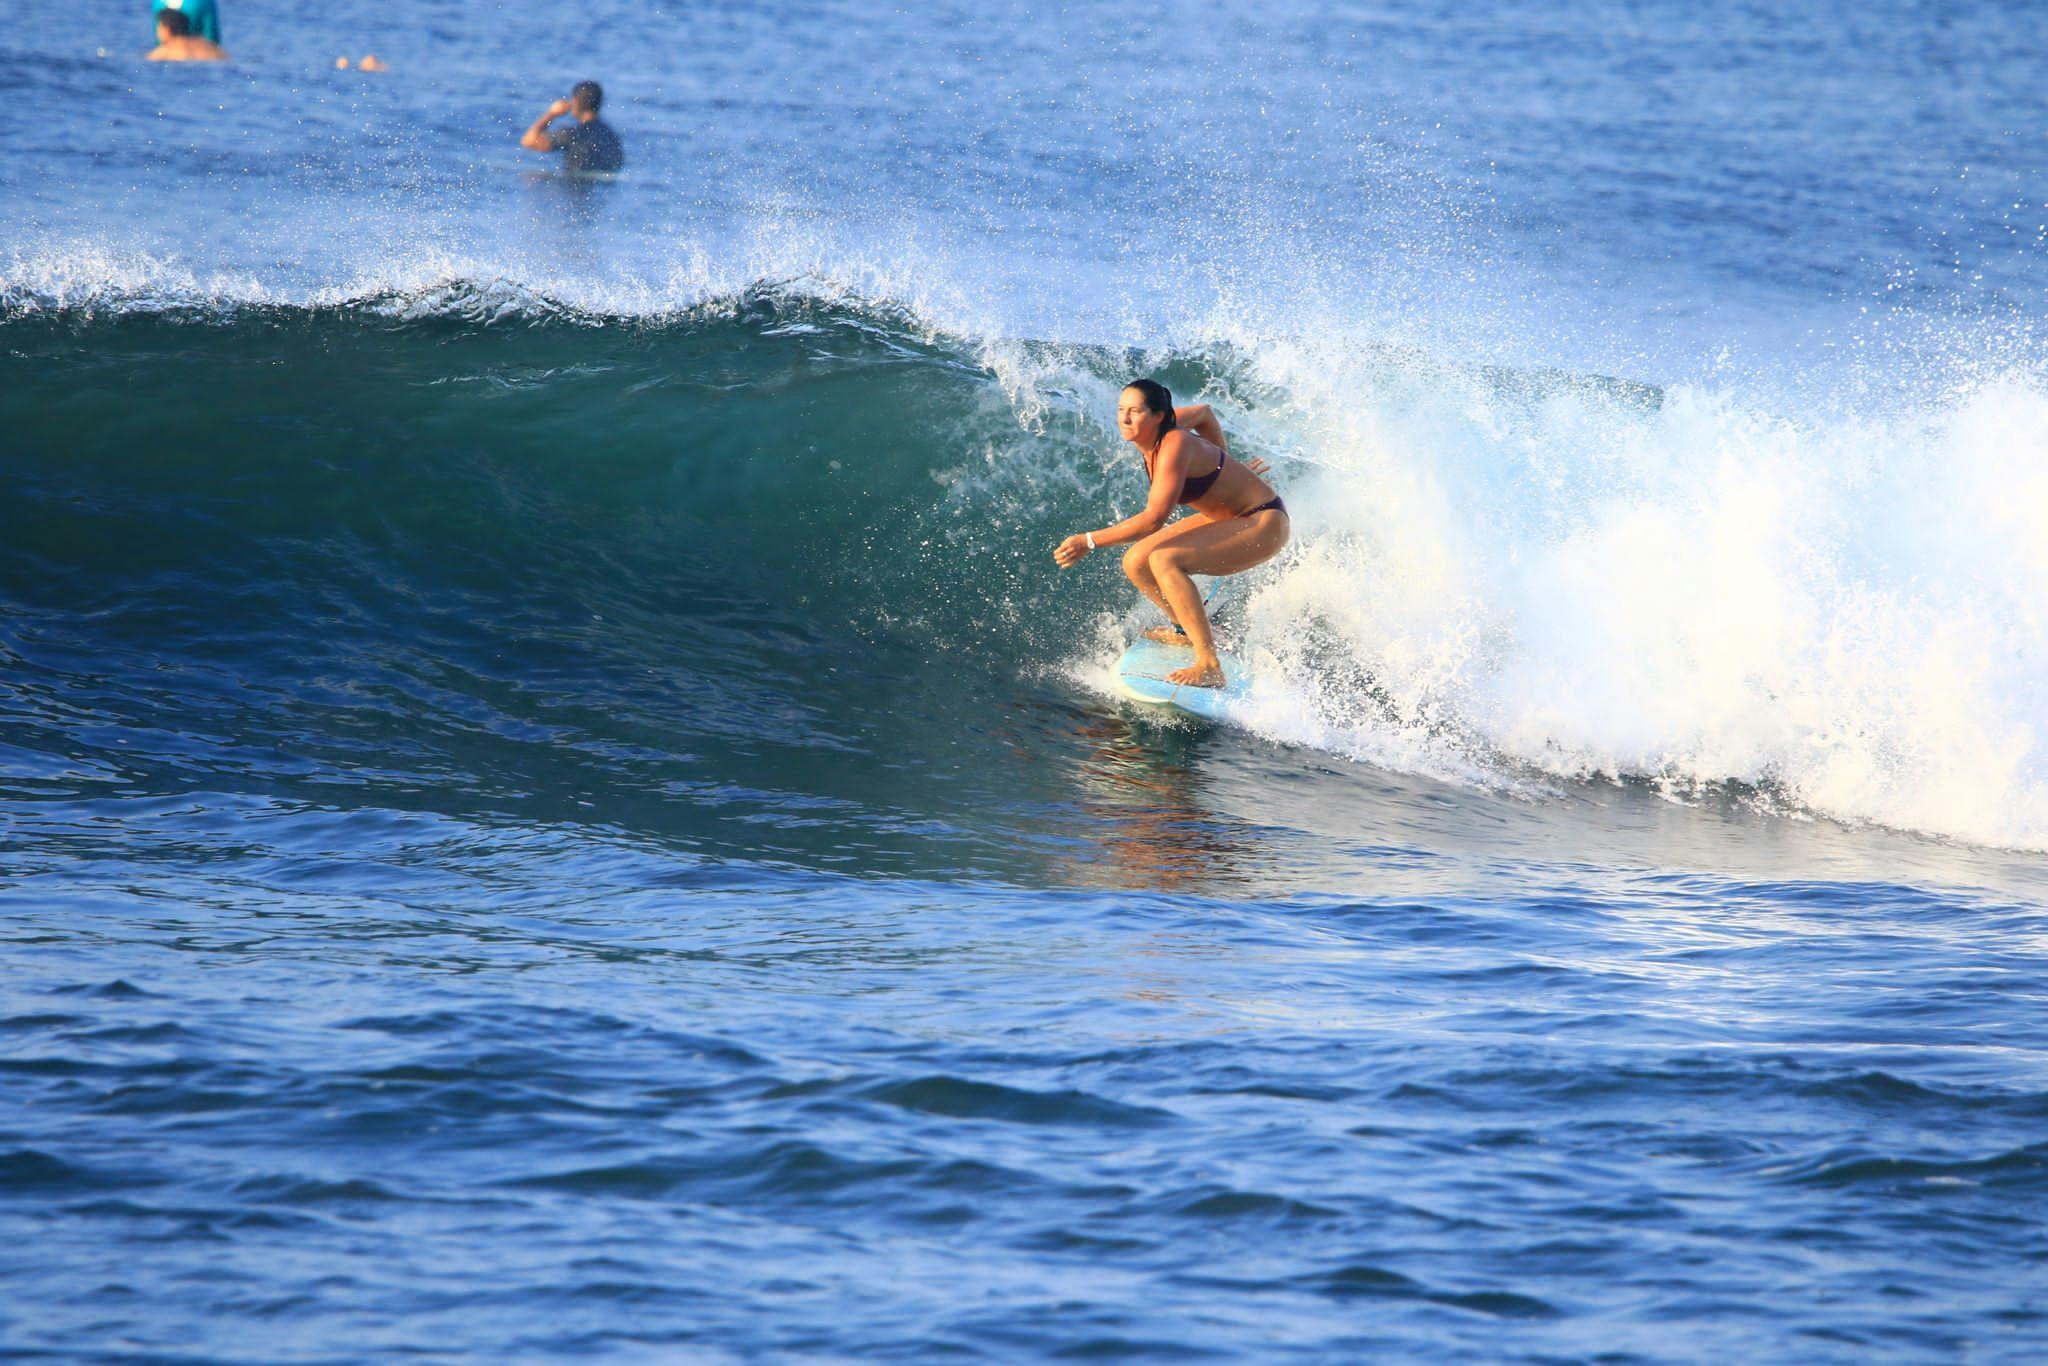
[(1158, 399)]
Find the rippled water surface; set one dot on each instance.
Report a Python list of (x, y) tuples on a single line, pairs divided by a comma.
[(553, 803)]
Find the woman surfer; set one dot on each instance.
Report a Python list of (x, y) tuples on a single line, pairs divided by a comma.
[(1238, 522)]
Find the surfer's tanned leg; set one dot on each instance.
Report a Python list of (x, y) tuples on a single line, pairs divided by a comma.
[(1226, 547), (1138, 569)]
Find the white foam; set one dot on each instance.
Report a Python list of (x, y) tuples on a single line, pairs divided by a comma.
[(1846, 612), (83, 276)]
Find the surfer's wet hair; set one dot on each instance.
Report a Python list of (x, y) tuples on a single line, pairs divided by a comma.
[(1158, 399), (589, 94), (176, 24)]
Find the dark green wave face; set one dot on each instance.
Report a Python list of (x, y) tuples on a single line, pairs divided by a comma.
[(765, 582), (773, 581), (795, 461)]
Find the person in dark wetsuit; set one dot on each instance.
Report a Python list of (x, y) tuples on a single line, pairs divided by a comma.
[(1238, 521), (589, 144)]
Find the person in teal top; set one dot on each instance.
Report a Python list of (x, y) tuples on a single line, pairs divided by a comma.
[(200, 14)]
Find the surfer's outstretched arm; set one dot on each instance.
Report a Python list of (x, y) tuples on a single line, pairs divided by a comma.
[(1169, 471)]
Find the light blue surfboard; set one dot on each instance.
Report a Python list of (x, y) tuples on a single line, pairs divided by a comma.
[(1141, 676)]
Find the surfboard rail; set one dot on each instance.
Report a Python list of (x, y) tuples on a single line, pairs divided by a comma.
[(1141, 676)]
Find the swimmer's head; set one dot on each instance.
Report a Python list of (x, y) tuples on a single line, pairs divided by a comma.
[(588, 97), (171, 24)]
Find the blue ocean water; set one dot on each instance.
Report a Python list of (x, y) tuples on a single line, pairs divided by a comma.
[(553, 802)]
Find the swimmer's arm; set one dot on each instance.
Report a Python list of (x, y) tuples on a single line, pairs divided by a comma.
[(536, 138)]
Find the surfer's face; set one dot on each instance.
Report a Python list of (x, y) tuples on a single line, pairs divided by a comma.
[(1137, 422)]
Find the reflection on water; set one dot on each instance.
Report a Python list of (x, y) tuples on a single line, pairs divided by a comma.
[(1141, 805)]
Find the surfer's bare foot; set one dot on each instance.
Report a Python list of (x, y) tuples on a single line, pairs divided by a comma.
[(1169, 635), (1203, 673)]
